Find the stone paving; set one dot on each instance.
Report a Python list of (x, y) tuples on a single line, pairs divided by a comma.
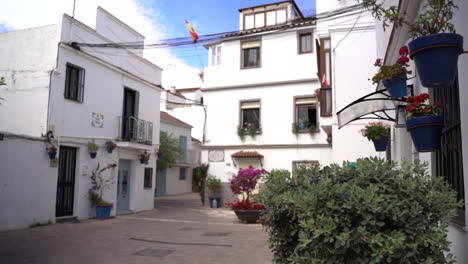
[(177, 231)]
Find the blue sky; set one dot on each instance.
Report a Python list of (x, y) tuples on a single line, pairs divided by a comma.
[(207, 17)]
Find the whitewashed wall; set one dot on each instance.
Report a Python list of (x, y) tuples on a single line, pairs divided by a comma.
[(27, 184), (28, 57)]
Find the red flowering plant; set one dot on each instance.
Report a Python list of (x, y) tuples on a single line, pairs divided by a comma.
[(243, 184), (415, 106), (397, 70), (51, 148)]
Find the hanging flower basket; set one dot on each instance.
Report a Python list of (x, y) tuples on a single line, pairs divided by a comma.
[(381, 144), (425, 132), (396, 87), (93, 155), (52, 154), (436, 58)]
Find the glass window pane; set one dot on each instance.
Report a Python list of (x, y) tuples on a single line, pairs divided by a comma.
[(251, 117), (271, 18), (249, 22), (327, 66), (218, 55), (260, 20), (213, 55), (281, 16)]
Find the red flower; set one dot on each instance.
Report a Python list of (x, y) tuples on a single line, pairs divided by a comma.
[(261, 221), (426, 110), (410, 108), (424, 96), (410, 99), (403, 60), (437, 105), (404, 50), (417, 103), (378, 63)]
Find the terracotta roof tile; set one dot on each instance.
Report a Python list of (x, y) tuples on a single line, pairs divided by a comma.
[(167, 118), (246, 154)]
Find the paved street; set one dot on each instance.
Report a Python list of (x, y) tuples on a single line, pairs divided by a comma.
[(177, 231)]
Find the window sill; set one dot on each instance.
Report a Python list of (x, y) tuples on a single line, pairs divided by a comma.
[(73, 101), (306, 52), (252, 67)]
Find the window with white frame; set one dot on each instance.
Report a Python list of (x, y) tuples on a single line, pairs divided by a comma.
[(216, 55), (74, 82), (305, 113), (268, 18)]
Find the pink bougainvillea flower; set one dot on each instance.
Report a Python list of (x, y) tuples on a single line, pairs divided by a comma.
[(404, 50)]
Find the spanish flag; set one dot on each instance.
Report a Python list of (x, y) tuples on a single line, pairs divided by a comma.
[(192, 32)]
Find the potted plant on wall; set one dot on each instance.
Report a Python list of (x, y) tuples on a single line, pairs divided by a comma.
[(424, 123), (110, 146), (92, 149), (214, 185), (435, 46), (100, 183), (52, 151), (393, 76), (144, 157), (243, 184), (378, 132)]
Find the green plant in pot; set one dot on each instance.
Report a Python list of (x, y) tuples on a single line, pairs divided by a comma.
[(99, 183), (377, 132), (424, 123), (214, 186), (393, 76), (110, 146), (92, 148), (435, 46)]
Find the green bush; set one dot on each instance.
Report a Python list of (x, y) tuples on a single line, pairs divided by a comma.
[(213, 184), (374, 213)]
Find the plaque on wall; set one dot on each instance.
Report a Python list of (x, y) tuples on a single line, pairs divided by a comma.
[(216, 155), (97, 120)]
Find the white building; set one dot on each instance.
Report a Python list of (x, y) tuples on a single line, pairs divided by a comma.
[(177, 178), (262, 82), (449, 160), (76, 95)]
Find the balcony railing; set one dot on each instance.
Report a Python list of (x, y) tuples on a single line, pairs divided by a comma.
[(136, 130)]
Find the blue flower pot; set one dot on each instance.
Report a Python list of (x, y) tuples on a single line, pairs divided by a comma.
[(92, 154), (436, 58), (426, 132), (52, 154), (212, 202), (103, 211), (109, 150), (381, 144), (396, 87)]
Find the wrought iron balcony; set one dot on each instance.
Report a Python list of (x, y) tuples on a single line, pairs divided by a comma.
[(135, 130)]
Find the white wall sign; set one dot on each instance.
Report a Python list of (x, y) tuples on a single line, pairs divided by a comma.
[(216, 156), (97, 120)]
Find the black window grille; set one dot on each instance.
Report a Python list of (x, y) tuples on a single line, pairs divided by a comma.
[(182, 173), (65, 181), (148, 180), (74, 83), (449, 158)]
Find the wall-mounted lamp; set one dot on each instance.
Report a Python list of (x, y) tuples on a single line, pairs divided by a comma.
[(400, 116)]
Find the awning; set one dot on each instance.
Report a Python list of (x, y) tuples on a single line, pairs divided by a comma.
[(376, 105)]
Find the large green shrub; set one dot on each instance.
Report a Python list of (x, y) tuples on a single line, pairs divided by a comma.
[(374, 213)]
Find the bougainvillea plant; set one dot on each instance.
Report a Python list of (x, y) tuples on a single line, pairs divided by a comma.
[(398, 69), (375, 130), (245, 181), (245, 205), (415, 106)]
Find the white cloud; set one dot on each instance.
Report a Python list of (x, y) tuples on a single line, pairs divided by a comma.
[(149, 21)]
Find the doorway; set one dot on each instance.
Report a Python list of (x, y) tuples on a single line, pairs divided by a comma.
[(123, 186)]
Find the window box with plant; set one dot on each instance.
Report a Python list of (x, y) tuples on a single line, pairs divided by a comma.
[(100, 183), (424, 123), (244, 183), (249, 129), (393, 76), (304, 126), (435, 46), (379, 133), (110, 146), (51, 151), (92, 148), (249, 118), (214, 185)]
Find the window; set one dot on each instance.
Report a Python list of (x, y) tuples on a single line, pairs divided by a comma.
[(305, 42), (183, 148), (305, 113), (449, 158), (324, 74), (250, 114), (148, 180), (262, 19), (182, 174), (74, 83), (215, 55), (250, 54)]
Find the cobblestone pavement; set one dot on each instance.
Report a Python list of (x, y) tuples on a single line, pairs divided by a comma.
[(177, 231)]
